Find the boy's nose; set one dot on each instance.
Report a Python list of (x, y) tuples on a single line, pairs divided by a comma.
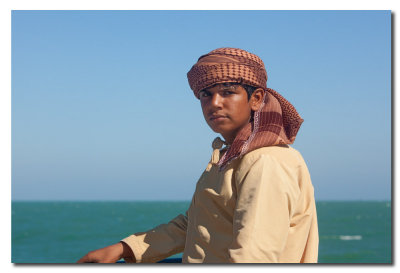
[(216, 100)]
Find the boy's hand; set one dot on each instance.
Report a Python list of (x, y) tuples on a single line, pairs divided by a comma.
[(109, 254)]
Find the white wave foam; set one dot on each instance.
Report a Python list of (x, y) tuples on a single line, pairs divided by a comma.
[(350, 237)]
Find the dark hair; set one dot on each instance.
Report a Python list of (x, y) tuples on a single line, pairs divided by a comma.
[(249, 89)]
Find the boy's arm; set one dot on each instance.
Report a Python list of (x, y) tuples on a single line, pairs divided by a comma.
[(109, 254), (265, 199), (158, 243)]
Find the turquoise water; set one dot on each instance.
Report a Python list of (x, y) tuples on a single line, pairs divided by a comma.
[(62, 232)]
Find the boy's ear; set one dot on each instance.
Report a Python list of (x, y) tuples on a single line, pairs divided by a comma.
[(256, 99)]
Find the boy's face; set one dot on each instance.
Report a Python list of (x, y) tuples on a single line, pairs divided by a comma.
[(226, 109)]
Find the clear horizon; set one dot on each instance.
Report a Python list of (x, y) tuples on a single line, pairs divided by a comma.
[(123, 201)]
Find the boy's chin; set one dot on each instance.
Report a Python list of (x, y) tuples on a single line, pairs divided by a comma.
[(218, 130)]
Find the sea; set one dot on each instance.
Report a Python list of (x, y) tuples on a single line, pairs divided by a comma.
[(62, 232)]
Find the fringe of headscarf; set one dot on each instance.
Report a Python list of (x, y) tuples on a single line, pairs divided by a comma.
[(276, 122)]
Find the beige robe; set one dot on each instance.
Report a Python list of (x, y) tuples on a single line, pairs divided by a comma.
[(260, 209)]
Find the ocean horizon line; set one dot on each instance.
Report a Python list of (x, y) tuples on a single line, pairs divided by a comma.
[(177, 200)]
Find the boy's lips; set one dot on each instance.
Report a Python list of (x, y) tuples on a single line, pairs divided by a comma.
[(217, 117)]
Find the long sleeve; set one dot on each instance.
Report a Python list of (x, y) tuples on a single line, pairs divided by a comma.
[(160, 242), (267, 193)]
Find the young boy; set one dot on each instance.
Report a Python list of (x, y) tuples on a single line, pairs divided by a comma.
[(254, 203)]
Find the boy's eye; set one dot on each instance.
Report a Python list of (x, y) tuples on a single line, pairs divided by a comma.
[(203, 94), (227, 92)]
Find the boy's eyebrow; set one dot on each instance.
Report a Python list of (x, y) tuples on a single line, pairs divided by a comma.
[(222, 87)]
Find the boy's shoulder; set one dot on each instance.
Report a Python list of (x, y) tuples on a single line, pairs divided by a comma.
[(283, 154)]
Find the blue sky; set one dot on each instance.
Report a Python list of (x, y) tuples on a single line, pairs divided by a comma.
[(101, 107)]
